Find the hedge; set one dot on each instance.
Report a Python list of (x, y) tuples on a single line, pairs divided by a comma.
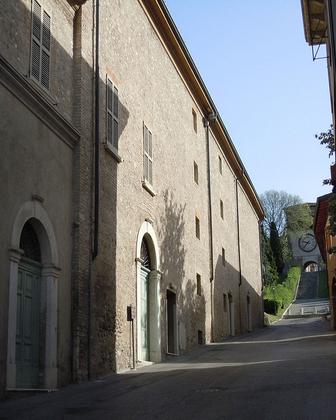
[(278, 296)]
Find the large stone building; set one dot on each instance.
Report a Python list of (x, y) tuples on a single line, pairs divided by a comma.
[(129, 226)]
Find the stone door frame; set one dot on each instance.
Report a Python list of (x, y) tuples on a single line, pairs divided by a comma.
[(33, 210), (155, 355)]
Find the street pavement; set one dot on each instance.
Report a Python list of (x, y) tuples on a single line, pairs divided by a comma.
[(286, 371)]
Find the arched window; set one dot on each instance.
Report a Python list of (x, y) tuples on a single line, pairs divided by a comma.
[(29, 243), (144, 254)]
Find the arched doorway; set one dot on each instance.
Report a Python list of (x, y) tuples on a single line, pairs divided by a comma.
[(231, 315), (248, 308), (32, 305), (310, 267), (144, 299), (27, 349), (148, 296)]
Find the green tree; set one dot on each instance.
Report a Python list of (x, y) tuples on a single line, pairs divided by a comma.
[(269, 267), (274, 203), (276, 248), (327, 139), (298, 218)]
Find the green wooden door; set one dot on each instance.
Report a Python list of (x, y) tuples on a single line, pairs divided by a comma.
[(144, 273), (28, 326)]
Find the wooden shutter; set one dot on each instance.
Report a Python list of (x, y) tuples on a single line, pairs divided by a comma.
[(145, 135), (36, 41), (40, 49), (45, 58), (112, 114), (115, 117), (109, 112), (148, 156)]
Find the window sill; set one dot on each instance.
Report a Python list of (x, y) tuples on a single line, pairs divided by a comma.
[(148, 188), (113, 152), (41, 89)]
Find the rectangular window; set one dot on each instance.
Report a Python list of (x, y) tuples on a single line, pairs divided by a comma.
[(112, 108), (197, 227), (225, 302), (223, 256), (40, 45), (220, 165), (198, 285), (148, 155), (221, 207), (194, 115), (196, 173)]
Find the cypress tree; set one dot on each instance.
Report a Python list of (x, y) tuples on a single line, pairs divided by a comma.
[(276, 247)]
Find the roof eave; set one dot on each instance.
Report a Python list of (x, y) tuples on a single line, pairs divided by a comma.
[(314, 21)]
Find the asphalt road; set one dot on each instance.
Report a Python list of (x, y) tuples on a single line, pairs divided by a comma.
[(286, 371)]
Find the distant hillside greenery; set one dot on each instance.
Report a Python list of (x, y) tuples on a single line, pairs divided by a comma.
[(278, 296)]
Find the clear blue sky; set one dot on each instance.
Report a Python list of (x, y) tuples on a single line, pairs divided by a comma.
[(272, 97)]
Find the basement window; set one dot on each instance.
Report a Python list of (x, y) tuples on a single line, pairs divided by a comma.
[(224, 302), (194, 115), (197, 227), (223, 256), (198, 285), (196, 173)]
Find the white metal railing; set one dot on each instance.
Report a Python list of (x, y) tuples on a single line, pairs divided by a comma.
[(310, 310)]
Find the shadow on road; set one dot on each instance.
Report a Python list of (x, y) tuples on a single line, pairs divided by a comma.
[(283, 371)]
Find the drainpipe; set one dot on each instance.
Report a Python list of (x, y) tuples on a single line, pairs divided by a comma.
[(239, 252), (96, 183), (206, 121), (97, 141)]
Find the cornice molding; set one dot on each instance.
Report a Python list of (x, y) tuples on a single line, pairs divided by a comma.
[(37, 103)]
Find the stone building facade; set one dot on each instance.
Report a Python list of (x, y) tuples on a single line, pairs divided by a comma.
[(130, 228)]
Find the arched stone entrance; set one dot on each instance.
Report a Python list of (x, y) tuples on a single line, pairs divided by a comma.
[(231, 314), (311, 266), (248, 311), (148, 296), (32, 316)]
